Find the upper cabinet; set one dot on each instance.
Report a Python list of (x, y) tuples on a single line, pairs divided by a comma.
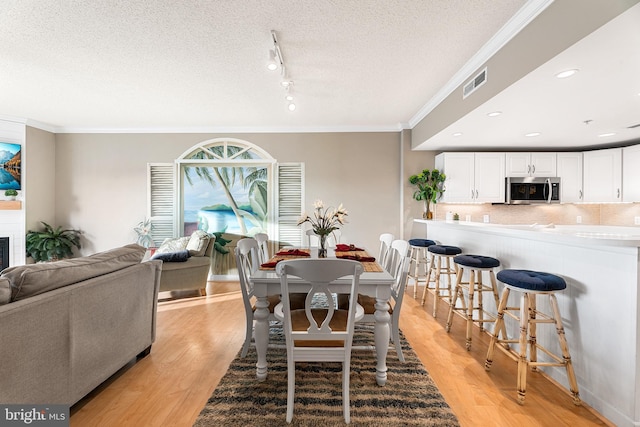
[(602, 175), (531, 164), (570, 173), (472, 177), (631, 174)]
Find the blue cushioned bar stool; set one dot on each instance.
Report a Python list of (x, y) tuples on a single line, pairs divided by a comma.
[(476, 265), (419, 261), (440, 264), (531, 284)]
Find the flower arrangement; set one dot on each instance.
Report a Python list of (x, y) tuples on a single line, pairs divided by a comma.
[(144, 229), (325, 220)]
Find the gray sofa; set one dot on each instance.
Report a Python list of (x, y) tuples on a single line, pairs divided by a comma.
[(67, 326)]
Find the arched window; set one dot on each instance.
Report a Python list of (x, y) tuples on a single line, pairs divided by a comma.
[(228, 187)]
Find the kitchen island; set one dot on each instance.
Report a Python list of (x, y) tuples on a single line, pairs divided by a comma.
[(600, 307)]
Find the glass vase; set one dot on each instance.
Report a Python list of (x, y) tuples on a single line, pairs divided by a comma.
[(322, 250)]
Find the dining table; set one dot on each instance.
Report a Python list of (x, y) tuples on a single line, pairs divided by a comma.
[(375, 281)]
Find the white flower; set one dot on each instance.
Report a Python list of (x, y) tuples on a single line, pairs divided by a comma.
[(318, 204), (324, 221)]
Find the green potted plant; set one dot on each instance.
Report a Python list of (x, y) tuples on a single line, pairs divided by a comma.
[(11, 194), (52, 244), (430, 186)]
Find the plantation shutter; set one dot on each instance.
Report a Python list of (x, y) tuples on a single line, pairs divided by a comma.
[(161, 197), (289, 200)]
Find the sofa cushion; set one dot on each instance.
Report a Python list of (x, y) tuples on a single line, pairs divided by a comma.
[(173, 245), (34, 279), (198, 243), (5, 290), (178, 256)]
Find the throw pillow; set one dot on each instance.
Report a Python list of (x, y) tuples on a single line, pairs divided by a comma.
[(198, 243), (173, 245), (179, 256), (5, 290)]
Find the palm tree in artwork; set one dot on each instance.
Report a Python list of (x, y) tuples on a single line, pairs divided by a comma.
[(226, 177)]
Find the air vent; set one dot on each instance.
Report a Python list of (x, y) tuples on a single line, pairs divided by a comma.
[(634, 126), (474, 84)]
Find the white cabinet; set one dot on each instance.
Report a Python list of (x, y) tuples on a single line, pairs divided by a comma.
[(631, 173), (570, 173), (472, 177), (531, 164), (602, 175)]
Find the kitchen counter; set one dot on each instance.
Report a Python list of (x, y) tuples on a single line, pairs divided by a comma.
[(576, 234), (600, 306)]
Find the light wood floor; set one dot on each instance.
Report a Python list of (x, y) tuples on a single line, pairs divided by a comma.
[(197, 338)]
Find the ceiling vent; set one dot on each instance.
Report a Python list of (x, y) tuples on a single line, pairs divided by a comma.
[(474, 84)]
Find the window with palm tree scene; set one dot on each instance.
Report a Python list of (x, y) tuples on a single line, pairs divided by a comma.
[(230, 188), (226, 192)]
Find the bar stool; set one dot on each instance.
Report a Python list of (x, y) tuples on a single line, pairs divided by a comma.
[(476, 264), (440, 254), (531, 284), (418, 258)]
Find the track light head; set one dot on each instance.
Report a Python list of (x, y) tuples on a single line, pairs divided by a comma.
[(272, 64)]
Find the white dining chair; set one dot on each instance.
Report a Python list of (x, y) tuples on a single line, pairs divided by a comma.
[(319, 334), (385, 245), (263, 247), (399, 263), (247, 261), (313, 240)]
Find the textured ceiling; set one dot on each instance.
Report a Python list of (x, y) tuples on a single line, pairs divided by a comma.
[(186, 65)]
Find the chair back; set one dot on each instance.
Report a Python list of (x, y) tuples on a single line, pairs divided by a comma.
[(247, 261), (313, 240), (398, 251), (263, 247), (385, 245), (319, 273)]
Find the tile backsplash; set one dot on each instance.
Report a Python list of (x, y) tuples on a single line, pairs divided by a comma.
[(621, 214)]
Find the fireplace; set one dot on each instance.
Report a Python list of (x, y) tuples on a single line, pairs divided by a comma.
[(4, 253)]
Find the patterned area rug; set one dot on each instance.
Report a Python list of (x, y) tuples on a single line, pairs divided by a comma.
[(410, 398)]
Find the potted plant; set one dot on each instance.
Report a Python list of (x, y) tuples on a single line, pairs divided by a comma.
[(430, 186), (11, 194), (52, 244)]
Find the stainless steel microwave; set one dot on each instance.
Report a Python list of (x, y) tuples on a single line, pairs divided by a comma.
[(529, 190)]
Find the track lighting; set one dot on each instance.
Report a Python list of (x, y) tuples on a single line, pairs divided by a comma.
[(277, 60)]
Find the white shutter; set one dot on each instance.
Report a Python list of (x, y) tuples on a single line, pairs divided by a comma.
[(161, 196), (289, 199)]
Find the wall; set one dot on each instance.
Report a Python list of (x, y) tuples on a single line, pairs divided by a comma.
[(39, 179), (101, 179)]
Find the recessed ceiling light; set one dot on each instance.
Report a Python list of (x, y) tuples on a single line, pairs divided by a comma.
[(533, 134), (566, 73), (457, 134), (292, 107), (494, 113), (604, 135)]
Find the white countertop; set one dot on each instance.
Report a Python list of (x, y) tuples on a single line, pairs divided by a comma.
[(581, 234)]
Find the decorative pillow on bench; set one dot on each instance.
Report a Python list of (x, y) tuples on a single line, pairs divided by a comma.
[(178, 256), (196, 244)]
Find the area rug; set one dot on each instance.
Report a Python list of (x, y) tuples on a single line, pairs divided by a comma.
[(410, 398)]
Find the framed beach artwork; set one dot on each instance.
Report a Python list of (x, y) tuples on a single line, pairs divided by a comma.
[(9, 166)]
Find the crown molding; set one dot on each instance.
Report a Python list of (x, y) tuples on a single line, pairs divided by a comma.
[(509, 30), (236, 129)]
